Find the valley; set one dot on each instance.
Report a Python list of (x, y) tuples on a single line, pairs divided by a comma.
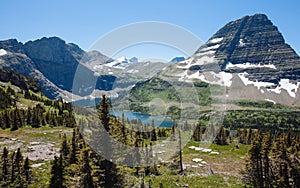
[(226, 116)]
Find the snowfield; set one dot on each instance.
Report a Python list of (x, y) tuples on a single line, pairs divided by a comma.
[(288, 86), (215, 40), (249, 65), (2, 52), (257, 84)]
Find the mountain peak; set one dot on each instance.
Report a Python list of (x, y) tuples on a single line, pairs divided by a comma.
[(251, 39), (11, 45), (250, 49)]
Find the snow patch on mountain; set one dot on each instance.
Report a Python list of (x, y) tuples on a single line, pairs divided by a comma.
[(199, 59), (249, 65), (215, 40), (257, 84), (220, 78), (270, 100), (2, 52), (241, 43), (210, 48), (120, 63), (288, 86)]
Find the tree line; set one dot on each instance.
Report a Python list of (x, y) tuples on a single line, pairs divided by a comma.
[(45, 112)]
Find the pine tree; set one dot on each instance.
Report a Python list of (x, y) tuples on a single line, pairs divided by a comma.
[(266, 148), (73, 157), (123, 129), (137, 155), (56, 180), (86, 179), (4, 167), (173, 137), (153, 134), (64, 147), (180, 152), (26, 170), (13, 167), (197, 133), (254, 174), (110, 176), (221, 138), (18, 161)]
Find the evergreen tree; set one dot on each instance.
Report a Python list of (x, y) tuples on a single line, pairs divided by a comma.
[(153, 134), (86, 179), (110, 176), (266, 148), (56, 180), (4, 167), (137, 155), (73, 157), (26, 170), (197, 133), (13, 167), (221, 138), (18, 161), (123, 129), (64, 147), (254, 174), (173, 137), (180, 152)]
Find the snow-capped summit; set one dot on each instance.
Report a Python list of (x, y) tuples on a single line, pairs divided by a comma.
[(122, 62)]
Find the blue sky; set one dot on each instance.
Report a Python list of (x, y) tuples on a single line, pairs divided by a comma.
[(83, 22)]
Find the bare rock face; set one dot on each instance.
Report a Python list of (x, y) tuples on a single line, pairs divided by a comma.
[(255, 40), (54, 63), (53, 58)]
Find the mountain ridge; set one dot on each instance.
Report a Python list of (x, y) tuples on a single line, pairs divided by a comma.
[(53, 62), (250, 52)]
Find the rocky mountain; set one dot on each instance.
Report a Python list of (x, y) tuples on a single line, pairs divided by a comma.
[(254, 40), (53, 62), (249, 58)]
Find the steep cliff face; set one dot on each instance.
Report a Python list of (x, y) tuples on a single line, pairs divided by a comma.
[(53, 62), (54, 59)]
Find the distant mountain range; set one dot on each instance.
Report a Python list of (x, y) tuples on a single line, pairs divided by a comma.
[(248, 56)]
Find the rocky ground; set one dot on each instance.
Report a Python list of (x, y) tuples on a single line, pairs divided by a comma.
[(36, 144)]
